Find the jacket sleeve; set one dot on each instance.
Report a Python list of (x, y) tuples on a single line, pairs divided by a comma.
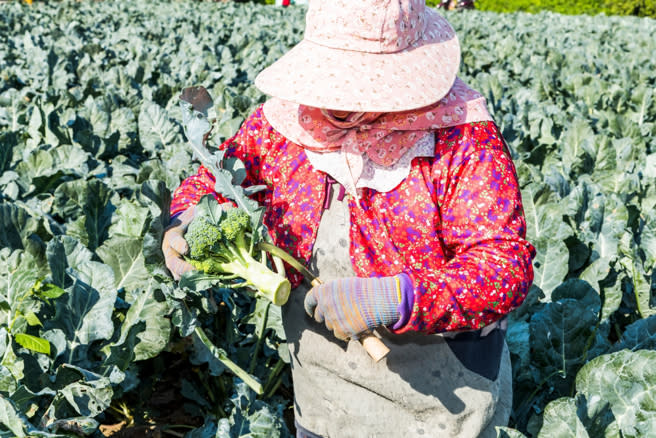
[(246, 145), (488, 268)]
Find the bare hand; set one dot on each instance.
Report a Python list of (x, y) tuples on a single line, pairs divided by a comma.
[(174, 246)]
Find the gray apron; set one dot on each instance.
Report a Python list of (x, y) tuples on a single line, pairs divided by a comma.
[(421, 389)]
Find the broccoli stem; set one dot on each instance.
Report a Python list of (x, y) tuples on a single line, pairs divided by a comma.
[(222, 356), (260, 338), (234, 258), (269, 284)]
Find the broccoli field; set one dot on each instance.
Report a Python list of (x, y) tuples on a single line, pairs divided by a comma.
[(96, 338)]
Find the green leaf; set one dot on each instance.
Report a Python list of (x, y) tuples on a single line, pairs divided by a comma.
[(16, 226), (579, 290), (207, 430), (156, 130), (124, 255), (550, 264), (507, 432), (518, 339), (228, 173), (602, 222), (597, 271), (157, 198), (560, 420), (145, 308), (129, 220), (223, 185), (57, 338), (575, 142), (90, 204), (625, 380), (8, 359), (50, 291), (85, 312), (43, 168), (33, 343), (25, 401), (13, 108), (611, 291), (89, 398), (251, 417), (65, 252), (648, 242), (639, 335), (208, 207), (189, 391), (197, 116), (7, 382), (8, 140), (35, 125), (81, 426), (32, 319), (10, 417), (560, 335), (547, 232), (19, 272), (236, 168), (650, 165), (641, 286)]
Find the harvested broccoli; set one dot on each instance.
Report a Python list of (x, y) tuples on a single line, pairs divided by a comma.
[(225, 249)]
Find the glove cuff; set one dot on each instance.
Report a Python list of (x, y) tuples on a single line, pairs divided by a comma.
[(406, 302)]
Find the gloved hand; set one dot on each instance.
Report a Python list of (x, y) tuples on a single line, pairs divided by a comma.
[(352, 306), (174, 246)]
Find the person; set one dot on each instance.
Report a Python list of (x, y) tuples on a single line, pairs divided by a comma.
[(385, 173)]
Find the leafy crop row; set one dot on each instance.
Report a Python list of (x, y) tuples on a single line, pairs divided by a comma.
[(91, 146), (574, 97)]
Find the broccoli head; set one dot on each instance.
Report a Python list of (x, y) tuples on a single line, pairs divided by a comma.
[(224, 249), (201, 236), (235, 223)]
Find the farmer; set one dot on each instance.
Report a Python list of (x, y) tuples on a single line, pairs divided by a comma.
[(387, 175)]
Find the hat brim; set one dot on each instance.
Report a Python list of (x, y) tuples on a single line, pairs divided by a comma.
[(324, 77)]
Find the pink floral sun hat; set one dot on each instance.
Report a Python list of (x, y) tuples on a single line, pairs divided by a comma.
[(367, 56)]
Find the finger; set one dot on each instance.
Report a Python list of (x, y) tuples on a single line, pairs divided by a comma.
[(318, 315), (178, 243), (310, 302), (338, 330), (178, 267), (341, 335)]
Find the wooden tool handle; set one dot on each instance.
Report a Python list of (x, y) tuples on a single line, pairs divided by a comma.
[(374, 346), (371, 343)]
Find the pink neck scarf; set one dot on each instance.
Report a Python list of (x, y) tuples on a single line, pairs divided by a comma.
[(382, 137)]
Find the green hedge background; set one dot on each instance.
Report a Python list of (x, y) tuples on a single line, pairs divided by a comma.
[(640, 8)]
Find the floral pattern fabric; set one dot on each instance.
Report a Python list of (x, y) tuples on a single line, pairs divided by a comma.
[(454, 225), (380, 138)]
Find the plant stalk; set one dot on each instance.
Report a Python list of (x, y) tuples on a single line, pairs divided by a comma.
[(222, 356), (260, 338)]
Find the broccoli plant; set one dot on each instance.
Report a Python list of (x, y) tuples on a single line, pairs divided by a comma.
[(221, 243)]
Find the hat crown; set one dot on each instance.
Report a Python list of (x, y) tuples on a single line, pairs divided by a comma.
[(373, 26)]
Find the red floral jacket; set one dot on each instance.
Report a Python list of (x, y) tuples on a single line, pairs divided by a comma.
[(455, 225)]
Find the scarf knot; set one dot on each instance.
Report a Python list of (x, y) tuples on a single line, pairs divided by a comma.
[(379, 138)]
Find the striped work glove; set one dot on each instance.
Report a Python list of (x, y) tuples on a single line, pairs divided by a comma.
[(351, 306)]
